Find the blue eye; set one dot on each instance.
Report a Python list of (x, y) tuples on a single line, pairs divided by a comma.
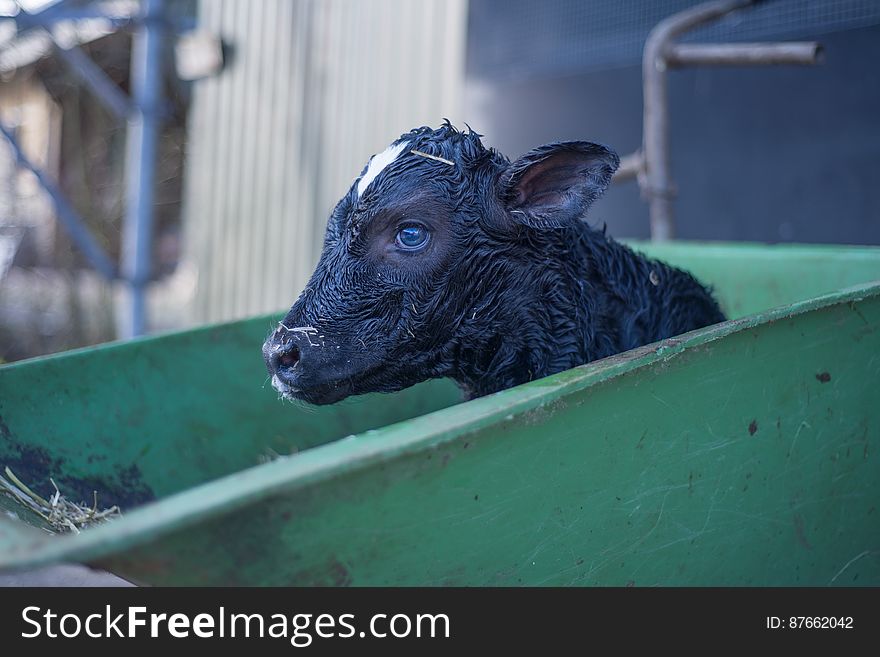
[(411, 238)]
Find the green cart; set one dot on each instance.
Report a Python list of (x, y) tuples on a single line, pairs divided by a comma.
[(742, 454)]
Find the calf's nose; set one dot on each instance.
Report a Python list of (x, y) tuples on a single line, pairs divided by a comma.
[(284, 360), (283, 354)]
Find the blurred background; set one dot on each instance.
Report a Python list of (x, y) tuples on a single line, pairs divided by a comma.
[(196, 147)]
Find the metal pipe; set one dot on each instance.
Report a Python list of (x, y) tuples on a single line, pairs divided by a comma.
[(140, 165), (45, 17), (25, 20), (112, 97), (743, 54), (85, 69), (67, 215), (631, 166), (657, 186)]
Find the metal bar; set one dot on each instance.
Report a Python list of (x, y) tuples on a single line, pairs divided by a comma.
[(45, 14), (27, 21), (112, 97), (94, 77), (631, 166), (142, 142), (658, 187), (67, 215), (61, 11), (743, 54)]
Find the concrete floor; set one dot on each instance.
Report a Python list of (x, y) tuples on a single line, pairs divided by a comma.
[(63, 575)]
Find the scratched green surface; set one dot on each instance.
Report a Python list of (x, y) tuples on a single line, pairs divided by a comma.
[(750, 278), (158, 415), (741, 454)]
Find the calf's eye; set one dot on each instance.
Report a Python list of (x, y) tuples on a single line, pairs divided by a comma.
[(412, 238)]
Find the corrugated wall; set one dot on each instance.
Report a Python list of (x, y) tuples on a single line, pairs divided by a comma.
[(311, 89)]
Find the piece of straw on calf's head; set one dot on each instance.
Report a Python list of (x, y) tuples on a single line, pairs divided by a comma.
[(445, 259)]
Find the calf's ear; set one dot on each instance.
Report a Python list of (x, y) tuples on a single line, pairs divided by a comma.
[(555, 184)]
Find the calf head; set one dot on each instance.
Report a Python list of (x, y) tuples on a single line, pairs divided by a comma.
[(433, 265)]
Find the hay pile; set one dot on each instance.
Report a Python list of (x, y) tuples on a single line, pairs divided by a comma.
[(61, 514)]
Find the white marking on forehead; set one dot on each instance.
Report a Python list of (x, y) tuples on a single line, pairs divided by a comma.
[(377, 163)]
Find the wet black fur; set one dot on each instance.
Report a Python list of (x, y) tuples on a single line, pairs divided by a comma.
[(513, 286)]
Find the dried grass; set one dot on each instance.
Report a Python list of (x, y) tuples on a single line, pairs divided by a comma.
[(61, 514)]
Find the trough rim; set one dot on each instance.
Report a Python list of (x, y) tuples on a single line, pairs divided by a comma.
[(29, 547)]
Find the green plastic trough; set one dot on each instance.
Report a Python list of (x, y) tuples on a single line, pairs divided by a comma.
[(742, 454)]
